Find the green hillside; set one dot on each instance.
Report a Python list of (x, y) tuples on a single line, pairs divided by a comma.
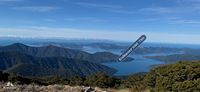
[(37, 71), (10, 58), (183, 76)]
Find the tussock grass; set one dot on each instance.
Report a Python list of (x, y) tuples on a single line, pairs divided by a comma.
[(55, 88)]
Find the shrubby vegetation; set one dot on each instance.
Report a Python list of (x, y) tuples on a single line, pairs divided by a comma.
[(102, 80), (16, 79), (182, 76)]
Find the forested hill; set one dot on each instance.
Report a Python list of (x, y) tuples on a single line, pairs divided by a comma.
[(48, 51), (25, 69), (9, 59)]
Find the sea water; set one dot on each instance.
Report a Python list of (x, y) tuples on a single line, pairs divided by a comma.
[(139, 64)]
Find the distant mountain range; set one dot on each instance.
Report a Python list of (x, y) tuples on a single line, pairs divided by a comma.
[(112, 46), (20, 63), (106, 46), (49, 51), (63, 45)]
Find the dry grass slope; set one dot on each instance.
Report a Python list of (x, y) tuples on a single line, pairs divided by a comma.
[(53, 88)]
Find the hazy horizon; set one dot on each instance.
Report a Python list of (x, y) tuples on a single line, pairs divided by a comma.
[(28, 40)]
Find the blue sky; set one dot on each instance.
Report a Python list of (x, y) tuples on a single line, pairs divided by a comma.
[(168, 21)]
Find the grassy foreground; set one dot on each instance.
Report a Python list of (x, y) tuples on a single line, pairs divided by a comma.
[(54, 88)]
